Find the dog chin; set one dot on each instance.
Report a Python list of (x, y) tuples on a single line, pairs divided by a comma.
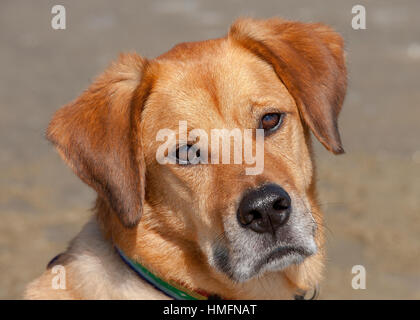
[(277, 260), (281, 263)]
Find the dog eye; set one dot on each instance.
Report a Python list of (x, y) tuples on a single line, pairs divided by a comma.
[(186, 153), (271, 121)]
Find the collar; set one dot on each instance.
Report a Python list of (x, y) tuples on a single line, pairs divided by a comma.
[(170, 289), (302, 294), (178, 292)]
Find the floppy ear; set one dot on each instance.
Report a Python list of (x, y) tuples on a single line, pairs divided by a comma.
[(309, 59), (97, 136)]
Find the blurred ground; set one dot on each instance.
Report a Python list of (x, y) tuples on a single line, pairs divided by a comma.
[(370, 195)]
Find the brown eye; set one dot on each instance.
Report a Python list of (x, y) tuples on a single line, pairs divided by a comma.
[(186, 153), (271, 121)]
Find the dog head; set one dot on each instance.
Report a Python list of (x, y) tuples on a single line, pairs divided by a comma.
[(285, 78)]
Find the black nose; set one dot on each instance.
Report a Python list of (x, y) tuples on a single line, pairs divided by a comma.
[(265, 209)]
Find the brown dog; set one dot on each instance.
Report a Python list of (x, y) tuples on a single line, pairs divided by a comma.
[(208, 228)]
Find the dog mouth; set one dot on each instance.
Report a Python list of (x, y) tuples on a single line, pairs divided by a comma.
[(284, 256), (242, 267), (282, 252)]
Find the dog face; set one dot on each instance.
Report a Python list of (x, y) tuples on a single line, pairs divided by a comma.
[(280, 77), (233, 89)]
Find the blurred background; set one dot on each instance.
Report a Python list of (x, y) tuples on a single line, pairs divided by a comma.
[(370, 195)]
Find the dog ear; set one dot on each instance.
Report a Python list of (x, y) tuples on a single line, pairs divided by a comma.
[(97, 135), (309, 59)]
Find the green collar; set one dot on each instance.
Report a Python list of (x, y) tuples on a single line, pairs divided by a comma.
[(172, 290), (178, 292)]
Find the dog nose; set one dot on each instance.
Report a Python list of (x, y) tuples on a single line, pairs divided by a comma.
[(265, 209)]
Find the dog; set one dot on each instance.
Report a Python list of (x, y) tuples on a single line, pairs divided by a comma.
[(169, 231)]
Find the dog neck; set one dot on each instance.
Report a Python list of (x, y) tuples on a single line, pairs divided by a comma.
[(180, 261), (171, 289)]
